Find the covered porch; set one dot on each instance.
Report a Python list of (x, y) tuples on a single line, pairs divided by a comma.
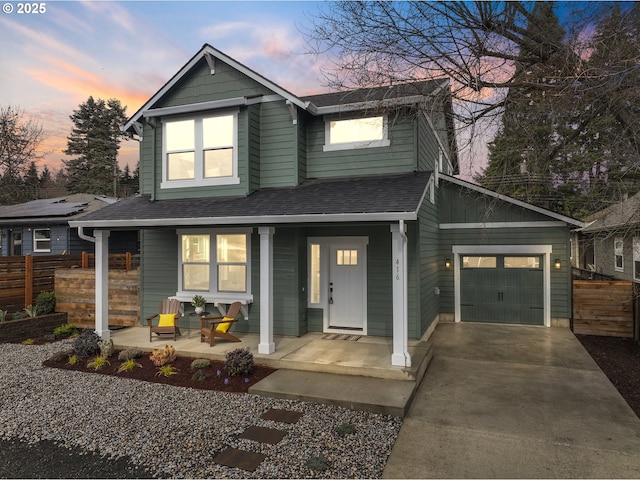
[(367, 357)]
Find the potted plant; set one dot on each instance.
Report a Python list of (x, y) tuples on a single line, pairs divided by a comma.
[(198, 302)]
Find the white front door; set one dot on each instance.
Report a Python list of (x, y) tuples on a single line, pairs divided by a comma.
[(347, 287)]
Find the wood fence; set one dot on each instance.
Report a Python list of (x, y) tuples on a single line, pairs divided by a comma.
[(75, 295), (603, 308), (22, 278)]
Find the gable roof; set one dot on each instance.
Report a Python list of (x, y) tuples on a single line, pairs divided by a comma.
[(52, 210), (346, 199), (513, 201), (400, 94), (623, 214)]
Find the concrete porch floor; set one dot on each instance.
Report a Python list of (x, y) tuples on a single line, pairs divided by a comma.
[(367, 357)]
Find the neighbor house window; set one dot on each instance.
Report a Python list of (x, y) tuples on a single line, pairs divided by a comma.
[(200, 151), (636, 259), (356, 133), (618, 249), (214, 262), (41, 240)]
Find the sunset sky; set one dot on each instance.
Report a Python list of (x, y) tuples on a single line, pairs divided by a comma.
[(51, 62)]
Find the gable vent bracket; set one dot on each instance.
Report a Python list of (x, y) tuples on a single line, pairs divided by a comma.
[(293, 111), (211, 61)]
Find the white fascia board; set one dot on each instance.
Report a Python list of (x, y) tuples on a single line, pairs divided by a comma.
[(209, 50), (479, 225), (196, 107), (372, 104), (262, 220), (499, 196)]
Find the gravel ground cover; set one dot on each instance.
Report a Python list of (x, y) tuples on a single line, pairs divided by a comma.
[(69, 424)]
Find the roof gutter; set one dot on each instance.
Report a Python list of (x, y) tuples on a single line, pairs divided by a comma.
[(84, 236)]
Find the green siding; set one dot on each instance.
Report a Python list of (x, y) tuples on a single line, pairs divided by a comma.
[(315, 318), (200, 86), (427, 146), (428, 265), (399, 157), (286, 278), (254, 142), (462, 205), (158, 268), (278, 150)]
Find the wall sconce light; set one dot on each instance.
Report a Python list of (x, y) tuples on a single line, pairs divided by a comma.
[(557, 264), (447, 263)]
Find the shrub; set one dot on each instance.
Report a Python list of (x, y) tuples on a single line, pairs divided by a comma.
[(98, 363), (3, 315), (86, 344), (73, 359), (128, 365), (19, 315), (65, 330), (164, 356), (129, 354), (344, 429), (46, 302), (28, 341), (166, 370), (200, 363), (239, 362), (106, 347), (199, 376), (318, 464), (31, 311)]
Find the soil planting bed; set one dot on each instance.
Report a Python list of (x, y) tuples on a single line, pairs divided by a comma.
[(619, 359), (216, 376)]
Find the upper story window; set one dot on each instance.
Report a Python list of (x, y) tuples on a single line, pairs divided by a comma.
[(41, 240), (200, 151), (356, 133), (618, 251)]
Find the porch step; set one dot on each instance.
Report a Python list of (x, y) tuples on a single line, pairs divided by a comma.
[(377, 395)]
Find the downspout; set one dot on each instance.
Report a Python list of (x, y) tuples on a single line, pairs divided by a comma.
[(84, 236), (152, 124)]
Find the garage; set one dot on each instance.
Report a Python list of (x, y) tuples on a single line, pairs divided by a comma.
[(502, 289)]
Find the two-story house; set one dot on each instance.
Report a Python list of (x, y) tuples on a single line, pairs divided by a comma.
[(328, 213)]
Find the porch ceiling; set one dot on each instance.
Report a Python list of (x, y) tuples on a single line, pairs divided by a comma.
[(373, 197)]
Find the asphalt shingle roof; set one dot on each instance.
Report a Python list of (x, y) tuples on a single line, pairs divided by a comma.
[(374, 94), (354, 195), (623, 214)]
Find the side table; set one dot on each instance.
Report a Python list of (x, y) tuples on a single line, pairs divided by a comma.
[(196, 315)]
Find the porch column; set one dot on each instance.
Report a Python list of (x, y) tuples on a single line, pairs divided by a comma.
[(102, 283), (400, 356), (266, 345)]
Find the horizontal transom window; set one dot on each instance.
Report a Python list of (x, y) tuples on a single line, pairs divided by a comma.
[(356, 133), (478, 262)]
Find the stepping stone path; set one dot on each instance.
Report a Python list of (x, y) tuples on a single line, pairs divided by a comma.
[(249, 461)]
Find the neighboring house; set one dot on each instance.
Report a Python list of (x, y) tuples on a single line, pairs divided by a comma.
[(610, 243), (41, 227), (327, 213)]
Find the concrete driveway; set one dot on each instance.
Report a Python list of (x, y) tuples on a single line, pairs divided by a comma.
[(515, 402)]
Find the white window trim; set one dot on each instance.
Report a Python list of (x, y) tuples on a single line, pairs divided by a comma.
[(199, 180), (213, 295), (329, 147), (636, 257), (615, 254), (41, 250)]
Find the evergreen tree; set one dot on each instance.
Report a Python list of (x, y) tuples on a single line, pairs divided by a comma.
[(31, 183), (95, 141)]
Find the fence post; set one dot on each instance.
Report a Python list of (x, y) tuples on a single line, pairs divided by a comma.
[(127, 258), (28, 280), (85, 260)]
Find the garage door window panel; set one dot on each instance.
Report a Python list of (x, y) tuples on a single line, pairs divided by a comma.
[(479, 262), (522, 262)]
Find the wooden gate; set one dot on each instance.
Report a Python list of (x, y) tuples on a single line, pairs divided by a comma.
[(603, 308)]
